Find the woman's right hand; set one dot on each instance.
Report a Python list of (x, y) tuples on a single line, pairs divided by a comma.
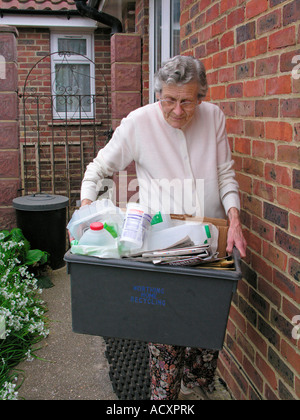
[(85, 201)]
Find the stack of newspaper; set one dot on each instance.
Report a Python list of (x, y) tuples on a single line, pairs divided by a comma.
[(187, 256), (182, 253), (186, 253)]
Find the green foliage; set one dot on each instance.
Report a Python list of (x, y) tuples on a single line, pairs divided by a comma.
[(25, 254), (22, 314), (35, 256)]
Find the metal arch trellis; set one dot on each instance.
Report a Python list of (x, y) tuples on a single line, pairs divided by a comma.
[(57, 115)]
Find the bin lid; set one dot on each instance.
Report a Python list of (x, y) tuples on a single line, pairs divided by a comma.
[(40, 202)]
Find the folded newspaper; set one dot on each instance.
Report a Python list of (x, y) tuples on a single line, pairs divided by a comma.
[(192, 256), (182, 253)]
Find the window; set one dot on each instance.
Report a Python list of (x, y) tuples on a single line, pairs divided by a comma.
[(73, 76), (175, 27), (164, 34)]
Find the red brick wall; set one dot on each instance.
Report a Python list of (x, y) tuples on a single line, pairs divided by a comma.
[(126, 75), (142, 28), (119, 60), (33, 47), (126, 97), (247, 48), (9, 136)]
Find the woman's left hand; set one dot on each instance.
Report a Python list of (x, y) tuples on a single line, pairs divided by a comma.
[(235, 235)]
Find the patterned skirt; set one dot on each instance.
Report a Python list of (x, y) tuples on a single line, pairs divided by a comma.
[(169, 365)]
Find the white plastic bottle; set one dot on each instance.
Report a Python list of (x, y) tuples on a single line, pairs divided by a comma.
[(136, 223), (96, 235)]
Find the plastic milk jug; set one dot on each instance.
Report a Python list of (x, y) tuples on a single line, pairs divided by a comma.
[(96, 235)]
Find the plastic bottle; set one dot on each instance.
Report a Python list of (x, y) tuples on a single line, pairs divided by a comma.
[(96, 235), (136, 223)]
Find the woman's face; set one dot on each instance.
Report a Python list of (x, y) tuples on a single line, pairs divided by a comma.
[(178, 103)]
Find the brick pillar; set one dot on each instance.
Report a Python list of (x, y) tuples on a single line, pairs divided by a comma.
[(9, 136), (125, 75), (125, 97)]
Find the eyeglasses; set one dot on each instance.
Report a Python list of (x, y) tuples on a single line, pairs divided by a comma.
[(171, 104)]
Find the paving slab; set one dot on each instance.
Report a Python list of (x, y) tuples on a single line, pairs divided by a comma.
[(75, 366)]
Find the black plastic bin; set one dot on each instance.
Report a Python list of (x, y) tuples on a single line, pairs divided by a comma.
[(42, 218), (142, 301)]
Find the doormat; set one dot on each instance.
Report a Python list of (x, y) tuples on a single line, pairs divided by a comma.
[(128, 368)]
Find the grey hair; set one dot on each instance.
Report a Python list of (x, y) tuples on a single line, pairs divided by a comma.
[(181, 70)]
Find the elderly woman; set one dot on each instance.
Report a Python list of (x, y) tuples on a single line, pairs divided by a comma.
[(183, 165)]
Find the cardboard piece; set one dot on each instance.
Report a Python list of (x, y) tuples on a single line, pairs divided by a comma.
[(221, 224)]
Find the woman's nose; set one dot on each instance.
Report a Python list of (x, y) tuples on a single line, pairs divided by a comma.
[(178, 109)]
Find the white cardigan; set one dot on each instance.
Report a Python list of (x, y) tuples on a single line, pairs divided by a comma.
[(179, 171)]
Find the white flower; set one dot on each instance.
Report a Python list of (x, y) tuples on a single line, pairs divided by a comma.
[(8, 392), (20, 306), (29, 358)]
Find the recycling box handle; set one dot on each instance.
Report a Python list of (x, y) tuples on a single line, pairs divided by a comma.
[(237, 259)]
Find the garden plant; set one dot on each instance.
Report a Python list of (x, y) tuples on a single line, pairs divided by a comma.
[(23, 322)]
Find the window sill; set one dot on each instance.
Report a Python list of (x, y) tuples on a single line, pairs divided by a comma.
[(74, 123)]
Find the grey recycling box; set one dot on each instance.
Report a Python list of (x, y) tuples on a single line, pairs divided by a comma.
[(122, 298)]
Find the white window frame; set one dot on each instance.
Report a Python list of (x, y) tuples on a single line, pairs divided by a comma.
[(166, 41), (73, 59)]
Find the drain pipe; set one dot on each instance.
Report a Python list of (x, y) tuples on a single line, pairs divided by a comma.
[(92, 12)]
